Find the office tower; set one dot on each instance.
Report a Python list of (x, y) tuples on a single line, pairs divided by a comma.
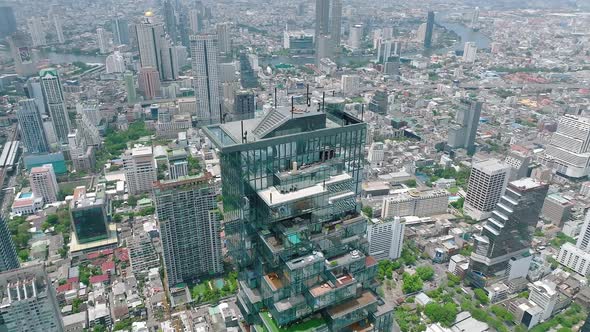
[(557, 209), (322, 18), (184, 30), (248, 77), (44, 183), (391, 66), (89, 216), (336, 24), (22, 54), (293, 226), (568, 151), (59, 31), (81, 154), (475, 18), (140, 170), (130, 88), (170, 66), (385, 49), (415, 203), (31, 127), (7, 21), (379, 102), (88, 130), (487, 182), (102, 41), (350, 84), (577, 257), (170, 20), (463, 131), (376, 153), (29, 302), (429, 30), (149, 39), (8, 257), (244, 106), (115, 63), (206, 80), (37, 31), (323, 48), (34, 91), (227, 72), (189, 227), (386, 237), (519, 159), (54, 99), (194, 21), (508, 232), (356, 36), (120, 29), (223, 37), (149, 83), (469, 52)]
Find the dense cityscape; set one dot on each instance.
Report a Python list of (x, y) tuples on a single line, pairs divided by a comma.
[(295, 165)]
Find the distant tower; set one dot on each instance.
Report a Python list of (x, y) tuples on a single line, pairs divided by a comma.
[(149, 40), (22, 54), (469, 52), (244, 106), (356, 36), (31, 127), (487, 182), (7, 21), (59, 31), (224, 38), (170, 20), (475, 18), (195, 21), (322, 18), (120, 28), (336, 24), (463, 130), (37, 32), (115, 63), (149, 83), (54, 99), (103, 41), (130, 87), (429, 30), (207, 87)]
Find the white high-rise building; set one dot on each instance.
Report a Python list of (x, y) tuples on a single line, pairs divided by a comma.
[(223, 37), (487, 183), (102, 41), (59, 31), (421, 33), (140, 170), (386, 238), (469, 52), (170, 66), (37, 31), (584, 238), (149, 39), (115, 63), (475, 18), (350, 84), (207, 88), (54, 99), (31, 127), (569, 149), (415, 203), (44, 183), (194, 21), (376, 153), (355, 37)]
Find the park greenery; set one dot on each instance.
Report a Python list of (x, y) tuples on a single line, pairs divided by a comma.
[(436, 172), (441, 313), (425, 272), (560, 239), (207, 292), (412, 283), (116, 141)]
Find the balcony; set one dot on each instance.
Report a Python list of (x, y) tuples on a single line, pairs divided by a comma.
[(352, 311)]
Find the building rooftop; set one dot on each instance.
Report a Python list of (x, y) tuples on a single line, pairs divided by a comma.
[(526, 184), (142, 151), (367, 298)]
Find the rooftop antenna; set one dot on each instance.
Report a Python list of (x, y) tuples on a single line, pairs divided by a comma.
[(276, 97), (292, 107), (307, 95), (242, 124), (324, 101), (220, 113), (362, 112)]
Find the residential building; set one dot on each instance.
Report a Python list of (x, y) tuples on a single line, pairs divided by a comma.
[(149, 36), (28, 301), (31, 127), (206, 81), (584, 238), (487, 182), (297, 221), (568, 151), (519, 159), (376, 153), (223, 37), (463, 131), (59, 31), (415, 203), (44, 183), (574, 258), (115, 63), (244, 106), (142, 255), (189, 228), (102, 41), (508, 232), (469, 52), (386, 237), (557, 209), (8, 258), (356, 36), (544, 294), (140, 170), (37, 31), (350, 84), (54, 99)]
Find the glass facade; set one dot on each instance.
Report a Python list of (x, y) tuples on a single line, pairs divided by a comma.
[(291, 192), (90, 223), (508, 232)]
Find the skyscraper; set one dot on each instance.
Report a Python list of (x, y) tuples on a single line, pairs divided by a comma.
[(568, 151), (130, 87), (22, 54), (336, 24), (120, 28), (248, 78), (115, 63), (8, 257), (244, 106), (149, 83), (469, 52), (102, 41), (43, 183), (149, 40), (59, 31), (463, 131), (140, 170), (89, 216), (429, 30), (207, 87), (37, 31), (322, 18), (508, 233), (169, 60), (189, 228), (290, 186), (28, 301), (54, 99), (487, 182), (356, 36), (224, 38), (34, 91), (195, 21), (170, 20), (31, 127), (7, 21)]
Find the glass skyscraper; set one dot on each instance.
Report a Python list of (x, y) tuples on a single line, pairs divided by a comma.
[(508, 232), (291, 182)]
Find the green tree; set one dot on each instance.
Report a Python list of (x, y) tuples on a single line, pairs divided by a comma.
[(425, 272), (481, 296), (412, 283), (444, 314), (368, 211), (411, 183)]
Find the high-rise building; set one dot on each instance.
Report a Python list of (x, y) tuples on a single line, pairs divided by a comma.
[(130, 88), (386, 237), (223, 37), (577, 257), (356, 36), (487, 182), (149, 36), (115, 63), (44, 183), (469, 52), (207, 87), (350, 84), (120, 29), (508, 232), (140, 170), (170, 65), (142, 254), (34, 91), (149, 83), (429, 30), (22, 54), (248, 77), (322, 18), (37, 31), (7, 21), (557, 209), (184, 30), (195, 21), (568, 151), (31, 127), (584, 237), (463, 131), (102, 41), (29, 302), (59, 31), (170, 20), (519, 159), (293, 227), (336, 24), (89, 216), (415, 203), (55, 101), (475, 18), (244, 106), (8, 257), (189, 228)]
